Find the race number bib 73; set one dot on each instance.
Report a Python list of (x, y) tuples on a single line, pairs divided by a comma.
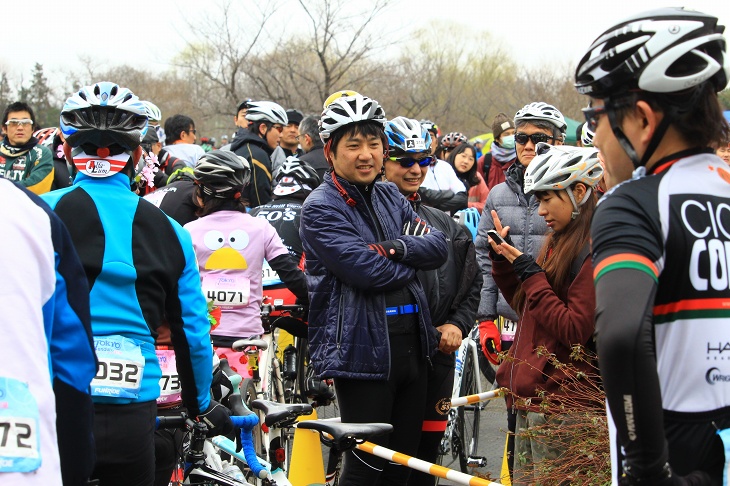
[(226, 291), (19, 440), (120, 368), (170, 381)]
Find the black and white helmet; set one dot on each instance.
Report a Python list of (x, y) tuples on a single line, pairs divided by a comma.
[(539, 110), (346, 110), (586, 136), (295, 177), (222, 174), (266, 111), (659, 51)]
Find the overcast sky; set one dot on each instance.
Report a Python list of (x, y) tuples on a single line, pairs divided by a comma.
[(147, 32)]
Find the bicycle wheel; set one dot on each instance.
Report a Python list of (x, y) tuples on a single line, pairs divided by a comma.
[(468, 416), (450, 445)]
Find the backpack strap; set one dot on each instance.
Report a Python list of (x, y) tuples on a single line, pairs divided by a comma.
[(578, 261)]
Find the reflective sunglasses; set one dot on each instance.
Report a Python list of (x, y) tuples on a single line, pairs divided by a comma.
[(278, 128), (23, 121), (536, 138), (593, 114), (407, 162)]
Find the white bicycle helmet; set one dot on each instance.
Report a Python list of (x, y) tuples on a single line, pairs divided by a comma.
[(586, 136), (452, 139), (540, 110), (153, 113), (266, 111), (407, 136), (558, 167), (347, 110), (659, 51)]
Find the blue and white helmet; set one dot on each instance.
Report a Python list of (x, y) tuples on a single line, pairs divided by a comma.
[(153, 112), (407, 136), (103, 115), (103, 123)]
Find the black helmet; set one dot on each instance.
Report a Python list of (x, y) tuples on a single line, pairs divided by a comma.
[(661, 51), (295, 177), (222, 174)]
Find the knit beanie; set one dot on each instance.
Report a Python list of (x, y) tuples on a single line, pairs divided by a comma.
[(501, 123)]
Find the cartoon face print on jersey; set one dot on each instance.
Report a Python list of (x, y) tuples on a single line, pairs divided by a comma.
[(227, 250)]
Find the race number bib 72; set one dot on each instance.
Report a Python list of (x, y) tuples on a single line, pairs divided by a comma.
[(19, 440)]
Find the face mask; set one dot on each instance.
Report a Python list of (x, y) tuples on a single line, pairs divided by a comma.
[(508, 142)]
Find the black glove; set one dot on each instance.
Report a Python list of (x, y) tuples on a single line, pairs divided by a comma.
[(416, 228), (666, 478), (217, 418), (392, 249), (525, 267)]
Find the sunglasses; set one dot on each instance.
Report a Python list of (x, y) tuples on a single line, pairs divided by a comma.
[(407, 162), (593, 114), (15, 122), (536, 138), (278, 128)]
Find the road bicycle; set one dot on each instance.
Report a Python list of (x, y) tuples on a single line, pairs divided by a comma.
[(461, 437)]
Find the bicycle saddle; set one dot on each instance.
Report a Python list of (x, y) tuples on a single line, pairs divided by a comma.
[(241, 344), (345, 436), (281, 413)]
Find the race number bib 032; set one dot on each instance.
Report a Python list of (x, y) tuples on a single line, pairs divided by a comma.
[(269, 276), (508, 329), (169, 382), (120, 370), (226, 291), (19, 440)]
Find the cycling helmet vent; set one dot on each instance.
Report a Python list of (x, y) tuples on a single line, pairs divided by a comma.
[(661, 51), (453, 139)]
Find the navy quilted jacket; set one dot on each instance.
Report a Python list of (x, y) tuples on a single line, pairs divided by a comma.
[(348, 333)]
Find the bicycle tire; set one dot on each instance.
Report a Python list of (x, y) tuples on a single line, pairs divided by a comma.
[(302, 347), (468, 415)]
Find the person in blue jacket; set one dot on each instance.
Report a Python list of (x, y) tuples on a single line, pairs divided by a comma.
[(133, 285), (369, 322)]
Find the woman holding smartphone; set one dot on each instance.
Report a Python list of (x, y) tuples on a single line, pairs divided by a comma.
[(553, 295)]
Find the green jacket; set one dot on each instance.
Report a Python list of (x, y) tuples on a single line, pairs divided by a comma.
[(33, 169)]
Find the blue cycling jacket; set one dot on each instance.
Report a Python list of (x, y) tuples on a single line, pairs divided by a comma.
[(141, 269)]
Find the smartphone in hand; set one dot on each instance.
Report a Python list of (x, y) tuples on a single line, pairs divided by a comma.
[(496, 237)]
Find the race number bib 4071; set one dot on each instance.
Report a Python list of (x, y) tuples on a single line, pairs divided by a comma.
[(120, 370), (19, 440), (227, 292)]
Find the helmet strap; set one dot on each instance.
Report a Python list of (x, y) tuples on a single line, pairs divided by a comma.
[(574, 214)]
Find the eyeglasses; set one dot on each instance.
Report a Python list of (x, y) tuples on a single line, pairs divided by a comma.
[(536, 138), (407, 162), (593, 114), (193, 131), (278, 128), (15, 122)]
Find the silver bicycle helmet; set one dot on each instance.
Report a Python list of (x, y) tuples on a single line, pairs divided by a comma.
[(347, 110), (540, 110), (266, 111), (558, 167), (153, 113), (452, 139), (222, 174)]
